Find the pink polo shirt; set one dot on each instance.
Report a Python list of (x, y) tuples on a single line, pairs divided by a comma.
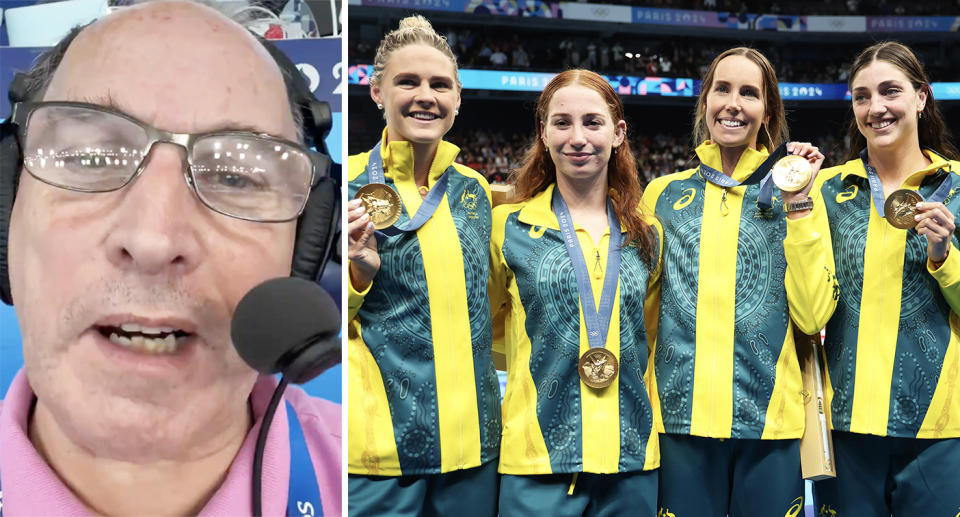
[(30, 486)]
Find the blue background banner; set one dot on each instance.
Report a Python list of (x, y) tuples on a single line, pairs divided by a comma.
[(319, 61), (506, 80), (535, 8), (912, 23)]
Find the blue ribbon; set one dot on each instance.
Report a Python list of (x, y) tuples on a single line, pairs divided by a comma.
[(876, 188), (597, 319), (427, 208), (303, 496), (761, 176)]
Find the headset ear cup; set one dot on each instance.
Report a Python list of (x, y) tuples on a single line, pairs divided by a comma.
[(9, 176), (316, 228)]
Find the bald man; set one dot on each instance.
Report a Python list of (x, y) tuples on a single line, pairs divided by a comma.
[(126, 265)]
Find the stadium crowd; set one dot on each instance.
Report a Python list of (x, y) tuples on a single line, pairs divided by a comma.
[(503, 49)]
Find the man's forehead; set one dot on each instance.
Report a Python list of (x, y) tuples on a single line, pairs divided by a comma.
[(177, 66)]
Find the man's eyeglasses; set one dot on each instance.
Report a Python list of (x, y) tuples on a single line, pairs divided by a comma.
[(88, 148)]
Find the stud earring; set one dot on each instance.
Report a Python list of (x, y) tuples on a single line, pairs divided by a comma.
[(456, 112), (380, 106)]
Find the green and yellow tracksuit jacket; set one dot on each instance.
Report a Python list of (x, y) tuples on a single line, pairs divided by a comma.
[(423, 393), (552, 421), (724, 356), (891, 322)]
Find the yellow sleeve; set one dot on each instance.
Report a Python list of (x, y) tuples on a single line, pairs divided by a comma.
[(948, 276), (811, 282), (356, 164), (354, 297), (651, 306), (499, 278), (651, 319)]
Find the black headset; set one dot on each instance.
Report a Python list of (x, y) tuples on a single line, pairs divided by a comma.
[(318, 225)]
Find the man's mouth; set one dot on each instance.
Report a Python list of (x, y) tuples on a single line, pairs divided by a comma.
[(424, 115), (144, 339)]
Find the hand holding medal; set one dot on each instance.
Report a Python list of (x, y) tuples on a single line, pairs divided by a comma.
[(935, 220), (794, 173), (361, 246)]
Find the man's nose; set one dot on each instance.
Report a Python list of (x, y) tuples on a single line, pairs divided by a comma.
[(155, 230)]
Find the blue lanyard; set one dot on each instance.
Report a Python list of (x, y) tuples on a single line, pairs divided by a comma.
[(761, 176), (877, 189), (427, 208), (596, 319), (303, 498)]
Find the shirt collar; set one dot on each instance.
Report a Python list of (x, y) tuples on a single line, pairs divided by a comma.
[(398, 159), (31, 487), (750, 159), (538, 210), (937, 162)]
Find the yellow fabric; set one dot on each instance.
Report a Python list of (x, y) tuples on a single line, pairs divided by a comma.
[(712, 414), (811, 274)]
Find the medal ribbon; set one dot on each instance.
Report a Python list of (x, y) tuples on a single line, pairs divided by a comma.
[(597, 319), (303, 496), (761, 176), (877, 189), (427, 208)]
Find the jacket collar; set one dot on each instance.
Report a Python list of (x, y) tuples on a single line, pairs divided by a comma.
[(398, 159), (750, 160), (538, 210), (937, 162)]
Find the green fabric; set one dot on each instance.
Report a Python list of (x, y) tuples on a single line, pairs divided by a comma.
[(462, 493), (594, 495), (918, 478), (707, 477)]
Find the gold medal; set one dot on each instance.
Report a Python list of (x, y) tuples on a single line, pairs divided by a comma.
[(598, 367), (900, 207), (792, 173), (381, 202)]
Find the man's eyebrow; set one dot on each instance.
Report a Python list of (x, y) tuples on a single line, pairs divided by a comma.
[(241, 128), (112, 103)]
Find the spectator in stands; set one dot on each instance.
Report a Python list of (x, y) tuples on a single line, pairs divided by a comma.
[(732, 427), (520, 58), (498, 58)]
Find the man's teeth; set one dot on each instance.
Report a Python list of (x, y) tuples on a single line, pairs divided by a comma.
[(733, 123), (882, 124), (424, 116), (158, 345), (140, 338), (133, 327)]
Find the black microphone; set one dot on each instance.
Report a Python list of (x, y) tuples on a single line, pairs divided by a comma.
[(289, 326)]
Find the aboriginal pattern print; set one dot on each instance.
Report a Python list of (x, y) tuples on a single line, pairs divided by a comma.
[(396, 322), (760, 305), (547, 286), (924, 329)]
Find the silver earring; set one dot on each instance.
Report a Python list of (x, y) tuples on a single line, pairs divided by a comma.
[(456, 112), (380, 106), (920, 114)]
